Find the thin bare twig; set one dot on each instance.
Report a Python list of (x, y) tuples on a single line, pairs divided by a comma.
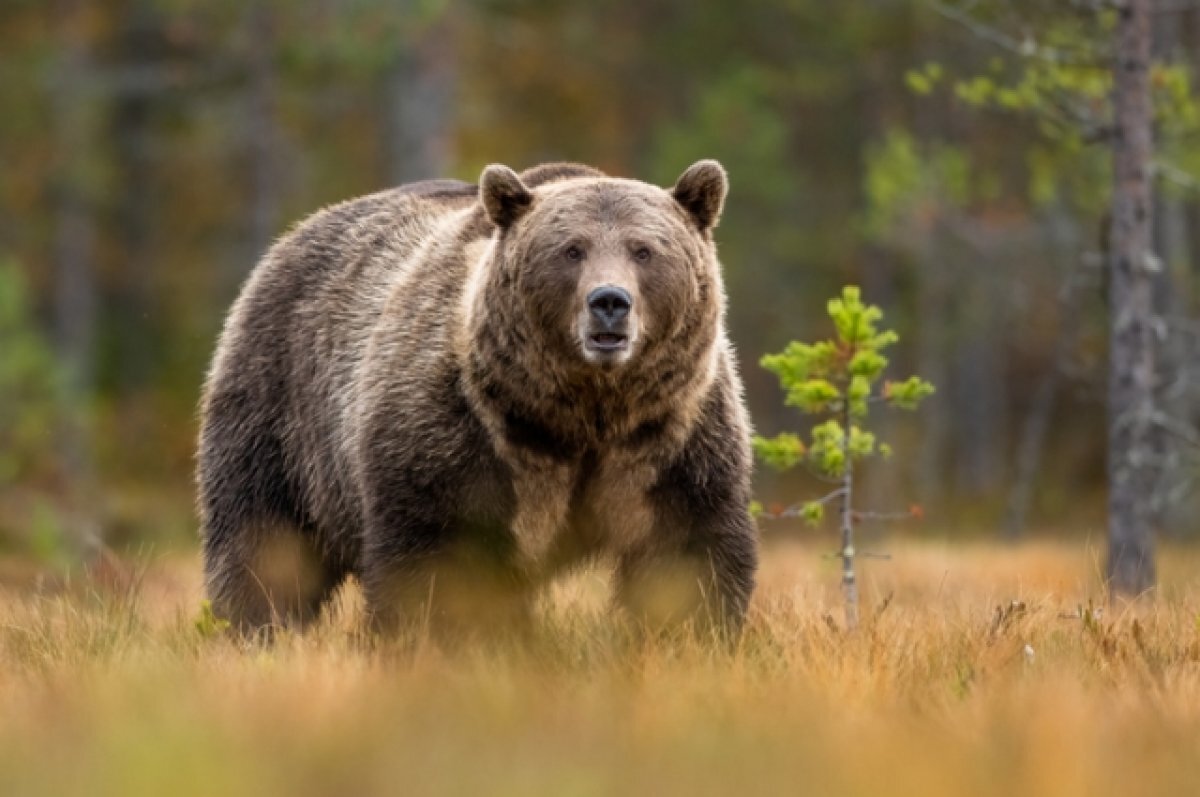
[(1176, 176), (1177, 428), (860, 555), (797, 509), (881, 515), (1027, 48), (1182, 7)]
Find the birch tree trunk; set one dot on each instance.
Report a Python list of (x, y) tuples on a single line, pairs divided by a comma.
[(1131, 382)]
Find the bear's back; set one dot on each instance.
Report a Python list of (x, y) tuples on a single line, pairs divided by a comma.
[(300, 328)]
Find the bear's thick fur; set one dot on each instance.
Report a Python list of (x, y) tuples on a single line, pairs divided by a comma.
[(454, 393)]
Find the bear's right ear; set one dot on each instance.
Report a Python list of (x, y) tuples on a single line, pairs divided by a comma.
[(505, 197), (701, 191)]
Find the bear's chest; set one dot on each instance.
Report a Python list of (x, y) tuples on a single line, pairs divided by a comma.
[(592, 504)]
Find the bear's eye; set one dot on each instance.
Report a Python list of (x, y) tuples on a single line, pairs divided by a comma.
[(573, 253), (642, 254)]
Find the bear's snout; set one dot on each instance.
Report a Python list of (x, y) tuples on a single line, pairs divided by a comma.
[(609, 305), (608, 327)]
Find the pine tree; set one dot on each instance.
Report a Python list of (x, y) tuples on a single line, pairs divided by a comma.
[(838, 379)]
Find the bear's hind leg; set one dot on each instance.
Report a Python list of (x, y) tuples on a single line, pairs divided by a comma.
[(269, 576), (263, 567)]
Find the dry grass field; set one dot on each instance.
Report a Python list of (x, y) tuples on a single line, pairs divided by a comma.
[(978, 671)]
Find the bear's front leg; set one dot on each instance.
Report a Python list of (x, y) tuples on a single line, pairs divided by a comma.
[(699, 578), (438, 552), (452, 578), (698, 563)]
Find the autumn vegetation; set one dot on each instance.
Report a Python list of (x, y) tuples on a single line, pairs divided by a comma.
[(980, 670)]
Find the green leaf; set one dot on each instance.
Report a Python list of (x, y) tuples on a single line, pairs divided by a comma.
[(826, 452), (918, 83), (813, 395), (857, 394), (780, 452), (977, 91), (868, 363), (813, 512), (861, 444), (207, 624), (800, 361), (921, 81), (909, 393)]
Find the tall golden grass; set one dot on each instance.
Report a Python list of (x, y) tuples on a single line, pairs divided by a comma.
[(977, 671)]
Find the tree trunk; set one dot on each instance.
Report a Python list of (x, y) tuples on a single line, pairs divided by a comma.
[(932, 365), (1035, 428), (262, 133), (1175, 395), (419, 87), (846, 518), (1131, 382), (1177, 391), (74, 311), (131, 130), (977, 390)]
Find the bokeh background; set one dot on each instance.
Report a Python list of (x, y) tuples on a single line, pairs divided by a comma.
[(152, 149)]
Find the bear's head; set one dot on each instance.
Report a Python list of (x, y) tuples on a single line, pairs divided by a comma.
[(601, 274)]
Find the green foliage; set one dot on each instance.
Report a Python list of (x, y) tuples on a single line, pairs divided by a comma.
[(1067, 97), (907, 394), (1175, 104), (923, 80), (1060, 80), (827, 452), (207, 624), (737, 117), (839, 377), (800, 361), (906, 183), (29, 380), (46, 536), (782, 451)]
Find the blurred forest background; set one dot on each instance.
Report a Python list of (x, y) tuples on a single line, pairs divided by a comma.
[(948, 158)]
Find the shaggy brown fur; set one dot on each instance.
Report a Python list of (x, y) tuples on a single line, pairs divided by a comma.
[(418, 387)]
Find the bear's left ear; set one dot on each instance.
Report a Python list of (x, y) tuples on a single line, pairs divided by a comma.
[(505, 197), (701, 191)]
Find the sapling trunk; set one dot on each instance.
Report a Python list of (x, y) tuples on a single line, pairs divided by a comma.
[(849, 580)]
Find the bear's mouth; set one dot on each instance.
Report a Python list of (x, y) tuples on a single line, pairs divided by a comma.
[(608, 342)]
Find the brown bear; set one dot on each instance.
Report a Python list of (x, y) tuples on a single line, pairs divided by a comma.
[(455, 392)]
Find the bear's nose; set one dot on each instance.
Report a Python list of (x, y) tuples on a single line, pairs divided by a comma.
[(610, 304)]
